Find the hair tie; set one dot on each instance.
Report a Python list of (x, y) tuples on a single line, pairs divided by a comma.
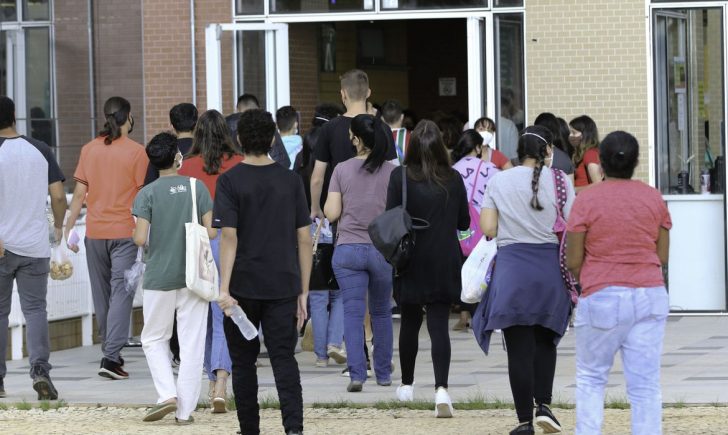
[(109, 115), (534, 134), (322, 118)]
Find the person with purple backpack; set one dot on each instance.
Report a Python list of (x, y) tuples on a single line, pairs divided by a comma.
[(476, 173)]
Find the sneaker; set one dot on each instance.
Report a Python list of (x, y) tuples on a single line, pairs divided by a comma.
[(322, 362), (443, 404), (2, 389), (158, 412), (523, 429), (43, 385), (293, 432), (396, 313), (345, 373), (112, 370), (336, 354), (545, 420), (406, 393), (355, 387), (384, 383)]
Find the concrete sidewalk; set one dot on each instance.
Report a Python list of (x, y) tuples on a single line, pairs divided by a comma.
[(694, 362)]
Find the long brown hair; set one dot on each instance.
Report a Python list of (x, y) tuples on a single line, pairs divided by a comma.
[(212, 141), (589, 137), (116, 112), (427, 158)]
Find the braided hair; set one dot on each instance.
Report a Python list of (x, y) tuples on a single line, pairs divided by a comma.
[(532, 144)]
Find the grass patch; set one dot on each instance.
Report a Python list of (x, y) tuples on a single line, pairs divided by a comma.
[(232, 406), (679, 402), (415, 405), (340, 403), (203, 404), (562, 403), (616, 402), (269, 402), (3, 406), (60, 403), (24, 405), (45, 405)]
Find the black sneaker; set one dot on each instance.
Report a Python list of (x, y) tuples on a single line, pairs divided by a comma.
[(112, 370), (523, 429), (545, 420), (396, 313), (293, 432), (42, 384), (2, 389)]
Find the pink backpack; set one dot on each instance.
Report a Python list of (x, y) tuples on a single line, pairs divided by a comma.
[(470, 237)]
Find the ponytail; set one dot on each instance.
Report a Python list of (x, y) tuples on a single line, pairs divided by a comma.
[(371, 131), (116, 112)]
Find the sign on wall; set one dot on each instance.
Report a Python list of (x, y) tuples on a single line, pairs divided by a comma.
[(448, 86)]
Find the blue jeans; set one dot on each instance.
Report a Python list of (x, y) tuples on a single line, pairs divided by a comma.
[(328, 327), (631, 321), (217, 356), (361, 269)]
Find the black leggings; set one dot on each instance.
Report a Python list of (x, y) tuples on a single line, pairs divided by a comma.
[(438, 316), (531, 366)]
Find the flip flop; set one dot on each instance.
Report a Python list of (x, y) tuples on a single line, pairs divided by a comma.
[(159, 411)]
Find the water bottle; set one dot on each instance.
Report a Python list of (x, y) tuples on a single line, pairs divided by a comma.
[(246, 326)]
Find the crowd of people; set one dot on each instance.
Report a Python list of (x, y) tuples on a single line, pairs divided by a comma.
[(553, 196)]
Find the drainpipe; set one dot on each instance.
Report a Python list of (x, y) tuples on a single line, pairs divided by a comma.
[(194, 57), (92, 86)]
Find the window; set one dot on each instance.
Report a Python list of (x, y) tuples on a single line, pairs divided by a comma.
[(510, 69), (314, 6), (249, 7), (432, 4)]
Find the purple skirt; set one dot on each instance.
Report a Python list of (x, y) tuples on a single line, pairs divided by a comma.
[(527, 289)]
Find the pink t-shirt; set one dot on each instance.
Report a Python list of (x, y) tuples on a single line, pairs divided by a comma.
[(622, 220), (363, 198)]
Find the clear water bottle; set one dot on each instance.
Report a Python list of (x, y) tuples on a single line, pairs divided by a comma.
[(246, 326)]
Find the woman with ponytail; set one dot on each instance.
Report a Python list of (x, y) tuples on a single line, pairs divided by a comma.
[(527, 297), (109, 174), (357, 195)]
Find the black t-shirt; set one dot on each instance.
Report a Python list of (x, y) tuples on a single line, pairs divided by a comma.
[(184, 146), (267, 205), (334, 146)]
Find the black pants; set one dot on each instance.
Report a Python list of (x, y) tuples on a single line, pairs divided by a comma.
[(438, 315), (278, 318), (531, 366)]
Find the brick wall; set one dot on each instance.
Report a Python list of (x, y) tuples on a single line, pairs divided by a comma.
[(207, 12), (304, 67), (589, 57)]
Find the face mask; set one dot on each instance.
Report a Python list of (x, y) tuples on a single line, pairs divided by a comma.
[(575, 141), (131, 127), (487, 137), (549, 161), (180, 161)]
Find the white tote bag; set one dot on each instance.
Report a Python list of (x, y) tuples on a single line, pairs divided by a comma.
[(475, 270), (200, 270)]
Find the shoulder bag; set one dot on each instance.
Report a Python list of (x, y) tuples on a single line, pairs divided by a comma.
[(200, 270), (572, 286), (322, 273)]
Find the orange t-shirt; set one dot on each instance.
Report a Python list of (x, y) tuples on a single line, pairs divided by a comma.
[(193, 167), (114, 174), (498, 158)]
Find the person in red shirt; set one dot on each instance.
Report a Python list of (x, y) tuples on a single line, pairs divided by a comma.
[(213, 153), (486, 128), (618, 239), (584, 137)]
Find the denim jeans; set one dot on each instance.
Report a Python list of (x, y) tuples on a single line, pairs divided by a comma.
[(217, 356), (328, 326), (631, 321), (361, 269)]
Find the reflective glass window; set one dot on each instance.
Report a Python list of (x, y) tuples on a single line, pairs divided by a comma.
[(318, 6), (432, 4)]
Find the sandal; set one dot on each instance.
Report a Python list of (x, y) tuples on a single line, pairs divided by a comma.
[(219, 402), (159, 411)]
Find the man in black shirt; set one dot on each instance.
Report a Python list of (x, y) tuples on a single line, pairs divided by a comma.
[(182, 119), (265, 266), (247, 102), (334, 144)]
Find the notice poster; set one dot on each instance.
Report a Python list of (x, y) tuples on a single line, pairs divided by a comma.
[(448, 87), (681, 75)]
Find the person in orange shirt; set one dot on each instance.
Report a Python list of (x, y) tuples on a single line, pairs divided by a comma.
[(109, 174)]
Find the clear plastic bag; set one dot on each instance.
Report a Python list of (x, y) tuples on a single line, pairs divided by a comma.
[(133, 277), (61, 266), (477, 270)]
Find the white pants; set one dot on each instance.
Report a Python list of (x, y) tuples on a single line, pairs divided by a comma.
[(159, 309)]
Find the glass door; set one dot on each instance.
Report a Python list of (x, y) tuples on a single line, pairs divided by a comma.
[(261, 60)]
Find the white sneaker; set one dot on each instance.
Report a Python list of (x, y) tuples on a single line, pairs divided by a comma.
[(443, 404), (406, 393)]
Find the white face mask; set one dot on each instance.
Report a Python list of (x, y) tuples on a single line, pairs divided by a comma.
[(487, 137), (180, 161), (549, 161)]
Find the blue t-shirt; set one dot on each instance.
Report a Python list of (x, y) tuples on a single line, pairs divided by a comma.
[(294, 145)]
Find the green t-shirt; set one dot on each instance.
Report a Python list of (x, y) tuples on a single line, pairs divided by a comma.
[(167, 205)]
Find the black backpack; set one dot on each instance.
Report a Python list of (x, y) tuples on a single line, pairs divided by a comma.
[(393, 232)]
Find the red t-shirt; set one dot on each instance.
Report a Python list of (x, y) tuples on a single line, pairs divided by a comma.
[(580, 176), (622, 220), (498, 158), (193, 167)]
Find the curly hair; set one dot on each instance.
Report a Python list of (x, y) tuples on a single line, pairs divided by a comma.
[(256, 130)]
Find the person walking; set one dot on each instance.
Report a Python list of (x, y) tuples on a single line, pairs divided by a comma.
[(247, 102), (618, 239), (29, 173), (162, 210), (436, 194), (584, 137), (527, 298), (265, 267), (486, 128), (110, 172), (357, 195), (212, 153), (182, 120), (561, 145), (468, 158)]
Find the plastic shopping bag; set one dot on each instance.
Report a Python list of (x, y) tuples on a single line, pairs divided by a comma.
[(133, 277), (475, 270), (61, 266)]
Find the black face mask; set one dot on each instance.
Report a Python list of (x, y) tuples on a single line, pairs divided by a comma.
[(131, 127)]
